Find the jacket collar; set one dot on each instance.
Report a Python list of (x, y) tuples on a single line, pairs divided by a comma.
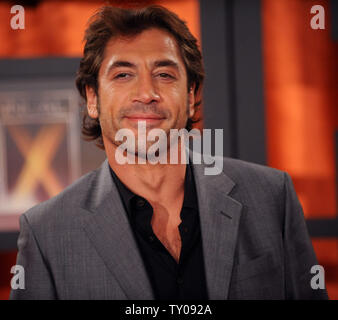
[(219, 216)]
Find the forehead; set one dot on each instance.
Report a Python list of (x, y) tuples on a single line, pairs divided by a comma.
[(150, 45)]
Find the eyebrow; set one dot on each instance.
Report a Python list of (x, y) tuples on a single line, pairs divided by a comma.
[(120, 63), (157, 64), (166, 63)]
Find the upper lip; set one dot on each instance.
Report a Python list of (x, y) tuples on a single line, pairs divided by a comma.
[(144, 116)]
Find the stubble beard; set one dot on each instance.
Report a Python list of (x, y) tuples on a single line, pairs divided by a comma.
[(113, 127)]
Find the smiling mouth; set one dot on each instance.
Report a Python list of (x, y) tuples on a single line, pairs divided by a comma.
[(144, 117)]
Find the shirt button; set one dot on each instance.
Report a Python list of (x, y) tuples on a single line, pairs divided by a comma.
[(179, 280), (140, 203)]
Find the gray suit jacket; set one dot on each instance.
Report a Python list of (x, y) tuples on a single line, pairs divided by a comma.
[(79, 244)]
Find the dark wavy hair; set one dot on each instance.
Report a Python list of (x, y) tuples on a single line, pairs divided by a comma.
[(109, 22)]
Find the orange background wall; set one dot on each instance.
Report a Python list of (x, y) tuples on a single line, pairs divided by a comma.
[(56, 28), (300, 73)]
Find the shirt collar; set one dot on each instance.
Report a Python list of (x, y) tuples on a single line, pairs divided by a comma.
[(190, 198)]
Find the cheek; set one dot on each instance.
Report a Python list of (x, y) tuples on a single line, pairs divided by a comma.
[(178, 97), (183, 105), (108, 101)]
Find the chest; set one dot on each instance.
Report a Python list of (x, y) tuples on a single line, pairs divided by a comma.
[(165, 223)]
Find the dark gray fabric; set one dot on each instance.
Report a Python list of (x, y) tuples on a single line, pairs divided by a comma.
[(79, 244)]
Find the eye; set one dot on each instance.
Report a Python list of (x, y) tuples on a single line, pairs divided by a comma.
[(122, 75), (165, 75)]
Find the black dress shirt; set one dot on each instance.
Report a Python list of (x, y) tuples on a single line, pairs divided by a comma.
[(170, 280)]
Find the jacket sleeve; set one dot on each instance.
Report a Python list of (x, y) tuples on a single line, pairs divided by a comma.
[(38, 282), (299, 253)]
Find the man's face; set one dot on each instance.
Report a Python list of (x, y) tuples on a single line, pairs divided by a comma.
[(142, 78)]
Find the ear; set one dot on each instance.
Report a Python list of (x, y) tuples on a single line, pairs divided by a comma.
[(92, 102), (191, 101)]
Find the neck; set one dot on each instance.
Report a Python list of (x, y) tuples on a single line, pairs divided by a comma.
[(151, 181)]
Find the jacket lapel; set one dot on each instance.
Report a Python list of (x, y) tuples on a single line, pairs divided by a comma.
[(219, 217), (108, 228)]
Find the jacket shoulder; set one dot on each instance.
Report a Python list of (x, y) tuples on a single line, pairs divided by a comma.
[(237, 167), (255, 176), (62, 206)]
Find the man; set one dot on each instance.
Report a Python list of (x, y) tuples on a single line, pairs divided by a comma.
[(160, 231)]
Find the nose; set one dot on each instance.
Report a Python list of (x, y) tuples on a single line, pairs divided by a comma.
[(145, 91)]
